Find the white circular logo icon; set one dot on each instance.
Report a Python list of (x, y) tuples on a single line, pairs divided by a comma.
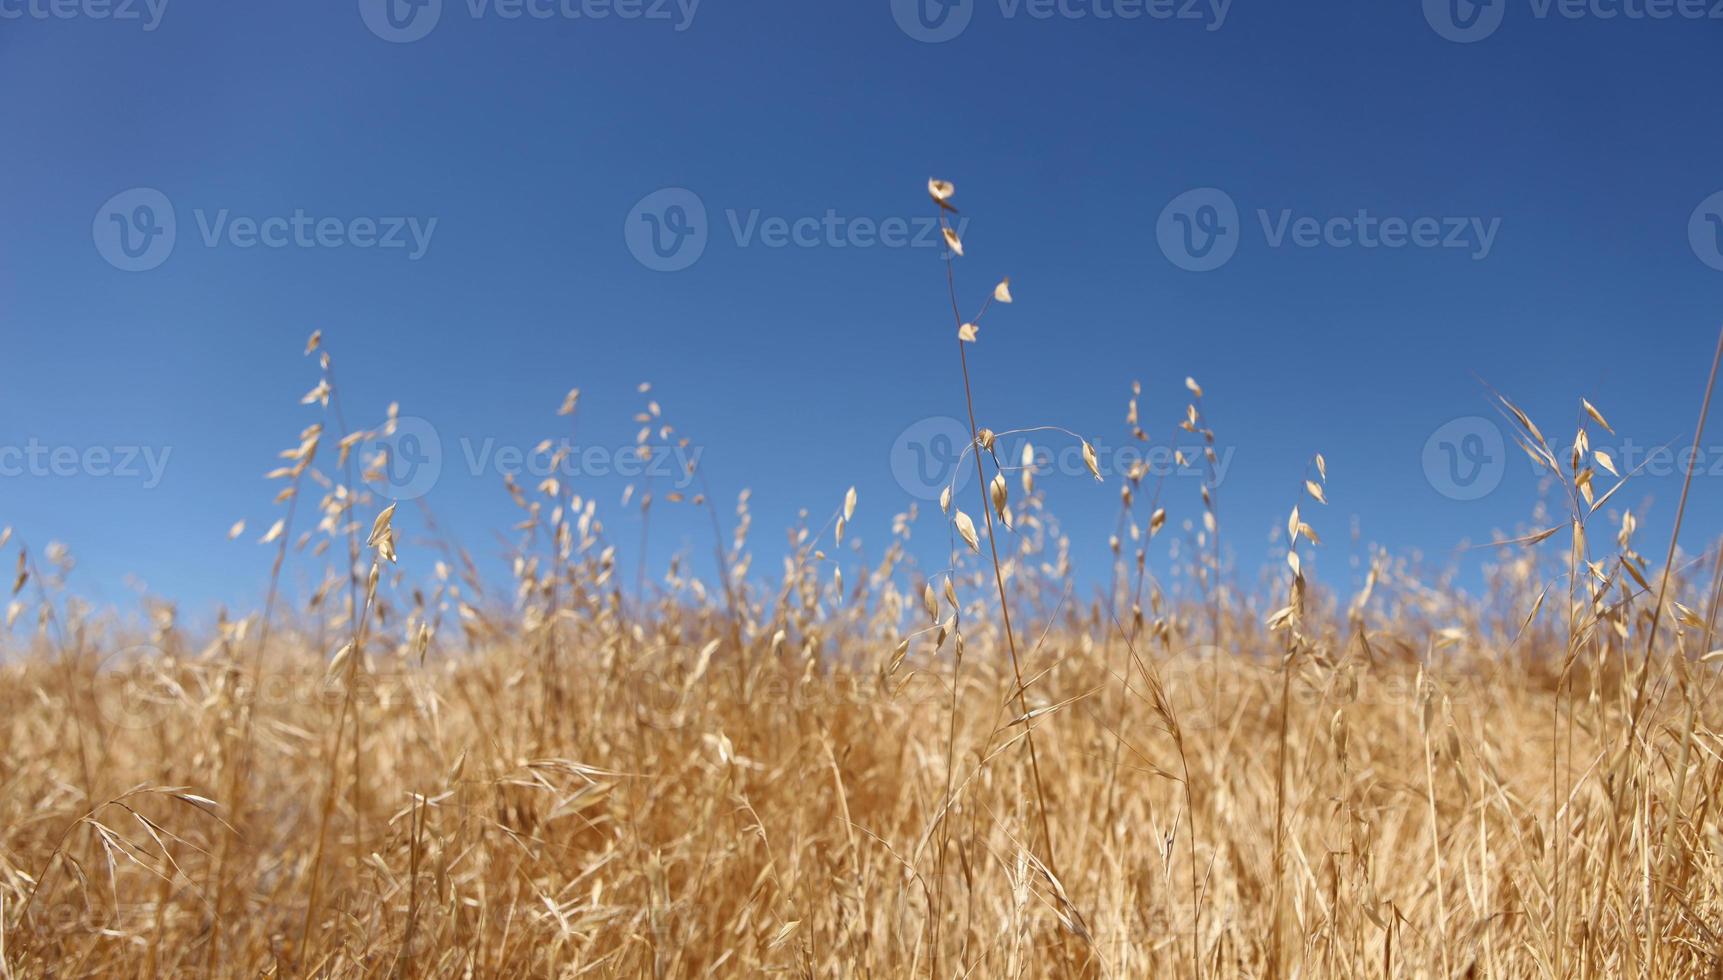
[(406, 463), (1199, 230), (657, 680), (146, 692), (135, 230), (667, 230), (1705, 231), (932, 21), (1466, 459), (401, 21), (1465, 21), (928, 457)]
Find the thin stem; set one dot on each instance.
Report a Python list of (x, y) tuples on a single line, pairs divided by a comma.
[(999, 578), (1674, 541)]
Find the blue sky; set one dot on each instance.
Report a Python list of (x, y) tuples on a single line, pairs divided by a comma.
[(1539, 182)]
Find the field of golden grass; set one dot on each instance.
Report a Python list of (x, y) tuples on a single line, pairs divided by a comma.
[(865, 767)]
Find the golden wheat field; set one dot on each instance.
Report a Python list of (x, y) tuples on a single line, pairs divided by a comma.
[(879, 770)]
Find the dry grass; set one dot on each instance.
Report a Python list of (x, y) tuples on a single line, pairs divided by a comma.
[(411, 776)]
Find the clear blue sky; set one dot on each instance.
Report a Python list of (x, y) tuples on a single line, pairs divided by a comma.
[(1583, 144)]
